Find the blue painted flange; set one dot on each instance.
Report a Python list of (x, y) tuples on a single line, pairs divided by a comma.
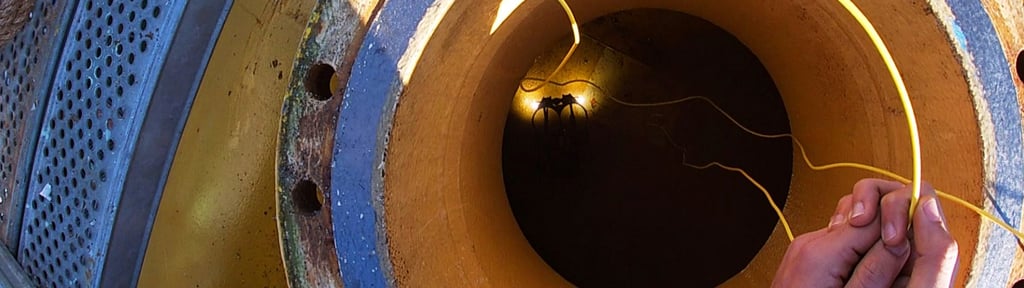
[(974, 33), (360, 143)]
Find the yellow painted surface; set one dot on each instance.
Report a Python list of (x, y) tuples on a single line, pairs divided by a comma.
[(216, 225)]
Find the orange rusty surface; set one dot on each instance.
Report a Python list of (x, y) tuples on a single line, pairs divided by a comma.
[(447, 216)]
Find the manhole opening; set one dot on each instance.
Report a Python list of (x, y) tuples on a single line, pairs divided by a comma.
[(321, 81), (308, 197), (600, 189)]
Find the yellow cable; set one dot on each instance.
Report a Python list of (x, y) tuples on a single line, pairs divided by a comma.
[(803, 154), (785, 224), (901, 88), (572, 49), (767, 195), (807, 160)]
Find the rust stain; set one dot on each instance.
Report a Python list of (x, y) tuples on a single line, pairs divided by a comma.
[(21, 104), (334, 35)]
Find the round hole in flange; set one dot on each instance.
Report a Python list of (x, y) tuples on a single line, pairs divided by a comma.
[(321, 81), (308, 197), (1020, 66), (603, 196)]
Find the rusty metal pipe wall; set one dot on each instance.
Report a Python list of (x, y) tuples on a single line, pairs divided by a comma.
[(405, 155), (416, 182)]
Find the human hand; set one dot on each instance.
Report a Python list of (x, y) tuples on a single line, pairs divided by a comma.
[(828, 257), (933, 257), (839, 255)]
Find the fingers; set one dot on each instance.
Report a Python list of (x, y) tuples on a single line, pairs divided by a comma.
[(895, 207), (848, 242), (825, 257), (866, 194), (846, 238), (842, 212), (853, 254), (844, 244), (804, 267), (879, 267), (936, 258)]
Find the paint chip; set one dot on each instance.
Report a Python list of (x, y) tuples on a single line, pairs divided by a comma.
[(45, 193)]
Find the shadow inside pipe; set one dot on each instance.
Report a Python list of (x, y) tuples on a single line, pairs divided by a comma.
[(605, 198)]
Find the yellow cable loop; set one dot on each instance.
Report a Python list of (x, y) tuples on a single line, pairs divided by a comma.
[(900, 87), (869, 168), (807, 160), (572, 49), (908, 108), (887, 173), (803, 154)]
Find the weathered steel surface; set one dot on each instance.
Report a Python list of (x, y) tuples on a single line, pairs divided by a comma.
[(1008, 20), (333, 36), (28, 61), (975, 36), (102, 88), (13, 15), (11, 274)]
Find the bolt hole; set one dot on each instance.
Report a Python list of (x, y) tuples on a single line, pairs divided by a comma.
[(1019, 283), (321, 81), (1020, 75), (308, 197)]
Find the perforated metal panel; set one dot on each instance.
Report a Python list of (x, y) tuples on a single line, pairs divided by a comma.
[(101, 92), (27, 63)]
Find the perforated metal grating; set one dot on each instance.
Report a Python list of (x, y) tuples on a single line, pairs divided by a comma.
[(27, 62), (100, 93)]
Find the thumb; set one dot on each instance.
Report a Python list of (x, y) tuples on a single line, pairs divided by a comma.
[(936, 250)]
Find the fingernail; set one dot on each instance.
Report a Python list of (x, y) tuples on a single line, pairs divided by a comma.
[(837, 219), (931, 210), (889, 232), (898, 250), (858, 209)]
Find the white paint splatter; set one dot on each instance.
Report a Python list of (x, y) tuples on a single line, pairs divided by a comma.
[(45, 193)]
